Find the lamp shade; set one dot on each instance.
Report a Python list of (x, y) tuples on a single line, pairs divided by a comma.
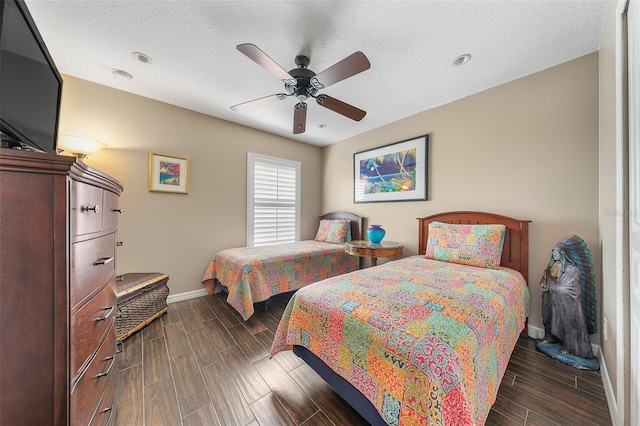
[(79, 145)]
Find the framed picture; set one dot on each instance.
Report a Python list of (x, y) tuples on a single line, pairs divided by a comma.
[(394, 172), (168, 173)]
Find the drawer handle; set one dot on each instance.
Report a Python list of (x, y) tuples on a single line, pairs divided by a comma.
[(95, 209), (119, 243), (111, 309), (104, 260), (118, 210), (110, 411), (113, 360)]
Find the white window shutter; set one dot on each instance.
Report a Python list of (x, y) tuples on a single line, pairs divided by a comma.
[(273, 200)]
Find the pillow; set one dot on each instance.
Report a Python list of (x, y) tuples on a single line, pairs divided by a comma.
[(333, 231), (474, 245)]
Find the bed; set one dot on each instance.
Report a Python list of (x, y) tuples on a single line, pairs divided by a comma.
[(252, 275), (420, 340)]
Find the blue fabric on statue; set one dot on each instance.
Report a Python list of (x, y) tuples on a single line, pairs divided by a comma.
[(553, 350)]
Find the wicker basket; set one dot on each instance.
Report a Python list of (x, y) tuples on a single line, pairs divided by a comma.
[(142, 297)]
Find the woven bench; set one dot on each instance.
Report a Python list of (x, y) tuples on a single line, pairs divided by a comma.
[(142, 297)]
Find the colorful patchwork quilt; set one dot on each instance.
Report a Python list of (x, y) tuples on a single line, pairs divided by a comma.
[(254, 274), (427, 342)]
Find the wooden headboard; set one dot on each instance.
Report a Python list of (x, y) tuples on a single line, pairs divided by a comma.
[(357, 222), (515, 252)]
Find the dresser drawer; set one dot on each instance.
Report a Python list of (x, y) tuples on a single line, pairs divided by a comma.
[(106, 409), (111, 212), (93, 383), (86, 208), (92, 265), (89, 325)]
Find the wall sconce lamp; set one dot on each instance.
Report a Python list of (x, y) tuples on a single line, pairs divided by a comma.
[(79, 146)]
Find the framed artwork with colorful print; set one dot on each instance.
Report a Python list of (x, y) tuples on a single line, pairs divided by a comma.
[(168, 173), (394, 172)]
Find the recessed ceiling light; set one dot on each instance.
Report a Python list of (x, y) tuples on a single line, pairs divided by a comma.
[(462, 59), (121, 75), (142, 57)]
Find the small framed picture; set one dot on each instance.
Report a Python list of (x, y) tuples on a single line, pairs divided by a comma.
[(168, 173)]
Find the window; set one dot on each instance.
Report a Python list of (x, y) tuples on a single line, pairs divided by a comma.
[(273, 200)]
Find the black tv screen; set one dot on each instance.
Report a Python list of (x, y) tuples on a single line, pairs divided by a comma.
[(30, 85)]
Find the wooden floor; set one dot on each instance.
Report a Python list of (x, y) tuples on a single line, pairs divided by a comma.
[(200, 364)]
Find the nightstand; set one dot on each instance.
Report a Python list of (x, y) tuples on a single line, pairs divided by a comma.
[(365, 248)]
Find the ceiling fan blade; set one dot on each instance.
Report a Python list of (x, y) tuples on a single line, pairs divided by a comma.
[(299, 118), (348, 67), (260, 101), (259, 57), (340, 107)]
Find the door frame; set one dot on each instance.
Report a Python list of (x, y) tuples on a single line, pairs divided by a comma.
[(632, 49)]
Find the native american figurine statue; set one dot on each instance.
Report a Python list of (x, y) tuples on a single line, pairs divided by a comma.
[(569, 303)]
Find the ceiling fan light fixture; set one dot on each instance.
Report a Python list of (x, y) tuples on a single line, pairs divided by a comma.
[(462, 59), (315, 83)]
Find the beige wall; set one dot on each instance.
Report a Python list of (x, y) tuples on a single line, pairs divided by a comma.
[(527, 149), (174, 233)]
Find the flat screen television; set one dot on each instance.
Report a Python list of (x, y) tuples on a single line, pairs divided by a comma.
[(30, 84)]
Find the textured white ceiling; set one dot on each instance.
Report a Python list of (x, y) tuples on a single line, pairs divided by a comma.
[(411, 46)]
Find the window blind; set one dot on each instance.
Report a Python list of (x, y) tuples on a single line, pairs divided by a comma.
[(273, 201)]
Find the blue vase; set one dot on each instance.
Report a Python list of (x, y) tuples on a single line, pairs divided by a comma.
[(375, 233)]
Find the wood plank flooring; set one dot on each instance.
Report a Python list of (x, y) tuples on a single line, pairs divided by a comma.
[(201, 364)]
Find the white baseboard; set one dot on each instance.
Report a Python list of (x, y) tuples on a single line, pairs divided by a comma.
[(186, 296), (535, 332), (608, 389)]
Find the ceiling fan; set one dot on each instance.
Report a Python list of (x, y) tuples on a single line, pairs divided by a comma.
[(303, 83)]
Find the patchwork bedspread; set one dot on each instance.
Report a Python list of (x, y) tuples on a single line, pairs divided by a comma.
[(254, 274), (427, 342)]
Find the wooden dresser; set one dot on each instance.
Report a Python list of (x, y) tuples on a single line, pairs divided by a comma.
[(58, 219)]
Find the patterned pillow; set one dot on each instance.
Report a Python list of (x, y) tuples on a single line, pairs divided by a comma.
[(333, 231), (475, 245)]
